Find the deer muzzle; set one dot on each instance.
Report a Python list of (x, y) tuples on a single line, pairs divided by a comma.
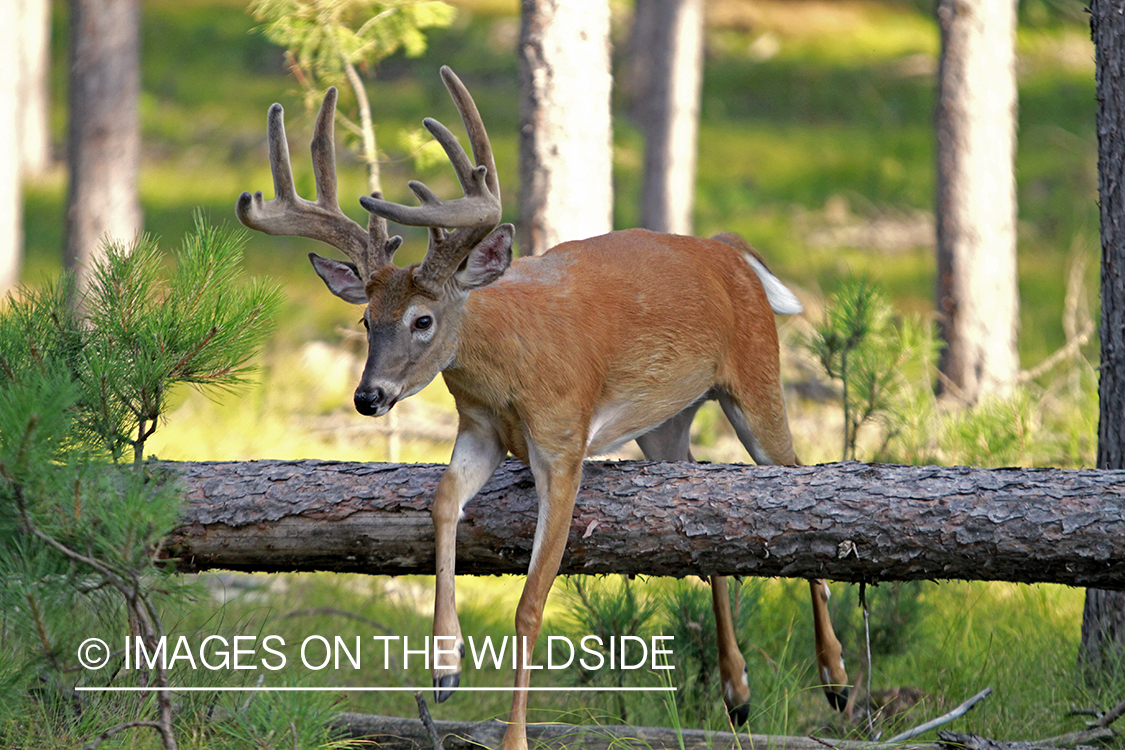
[(374, 401)]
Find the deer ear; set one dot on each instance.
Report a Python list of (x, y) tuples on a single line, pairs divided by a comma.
[(488, 260), (341, 278)]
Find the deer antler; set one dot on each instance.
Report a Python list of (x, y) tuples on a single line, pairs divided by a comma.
[(289, 214), (471, 217)]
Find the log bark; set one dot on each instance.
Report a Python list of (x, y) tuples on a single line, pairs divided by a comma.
[(959, 741), (846, 522)]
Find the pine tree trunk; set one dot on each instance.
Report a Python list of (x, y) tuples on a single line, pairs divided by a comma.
[(11, 203), (977, 294), (1103, 621), (667, 62), (104, 141), (566, 165), (847, 522)]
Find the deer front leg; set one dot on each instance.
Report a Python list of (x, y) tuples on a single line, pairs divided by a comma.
[(828, 651), (556, 484), (476, 454)]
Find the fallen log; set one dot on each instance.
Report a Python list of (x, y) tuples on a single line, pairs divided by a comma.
[(392, 733), (958, 741), (846, 522)]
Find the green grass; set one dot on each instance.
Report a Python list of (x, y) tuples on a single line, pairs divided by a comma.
[(802, 114), (1020, 640)]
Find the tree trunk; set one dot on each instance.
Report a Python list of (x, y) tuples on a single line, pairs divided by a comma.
[(667, 71), (1103, 620), (566, 165), (104, 141), (11, 202), (977, 293), (846, 522), (33, 45)]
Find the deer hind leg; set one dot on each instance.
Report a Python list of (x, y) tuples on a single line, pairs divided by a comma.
[(670, 441), (829, 654), (476, 454), (765, 434), (556, 484)]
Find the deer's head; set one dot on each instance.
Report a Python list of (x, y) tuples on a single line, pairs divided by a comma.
[(413, 313)]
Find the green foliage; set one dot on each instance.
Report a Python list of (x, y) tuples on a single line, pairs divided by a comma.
[(136, 337), (325, 36), (887, 364), (895, 609), (329, 42), (996, 432), (1048, 13), (609, 612), (681, 611), (862, 344), (275, 721), (84, 377)]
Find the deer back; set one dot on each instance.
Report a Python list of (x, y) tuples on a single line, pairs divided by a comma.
[(604, 338)]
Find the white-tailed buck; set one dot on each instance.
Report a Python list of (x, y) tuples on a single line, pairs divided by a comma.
[(549, 358)]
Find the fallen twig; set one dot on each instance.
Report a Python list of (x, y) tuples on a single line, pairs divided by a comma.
[(428, 721), (943, 719), (1083, 737), (871, 733), (1108, 718)]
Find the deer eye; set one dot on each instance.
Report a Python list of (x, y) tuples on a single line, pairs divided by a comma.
[(365, 325), (423, 323)]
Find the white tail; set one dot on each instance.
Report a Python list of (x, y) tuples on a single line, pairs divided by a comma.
[(549, 358)]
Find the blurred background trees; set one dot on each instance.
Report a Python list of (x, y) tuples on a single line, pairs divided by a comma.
[(975, 208), (11, 198), (104, 130), (33, 50), (566, 137), (664, 79), (334, 42), (24, 128)]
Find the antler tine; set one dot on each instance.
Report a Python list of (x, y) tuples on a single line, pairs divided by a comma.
[(474, 126), (481, 203), (323, 148), (471, 217), (288, 214), (477, 206), (377, 232)]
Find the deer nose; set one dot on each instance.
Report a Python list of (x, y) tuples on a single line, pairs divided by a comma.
[(368, 403)]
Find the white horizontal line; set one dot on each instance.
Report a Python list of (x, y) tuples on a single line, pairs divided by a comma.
[(266, 689)]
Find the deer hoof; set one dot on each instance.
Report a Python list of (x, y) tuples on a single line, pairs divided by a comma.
[(837, 696), (444, 685)]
